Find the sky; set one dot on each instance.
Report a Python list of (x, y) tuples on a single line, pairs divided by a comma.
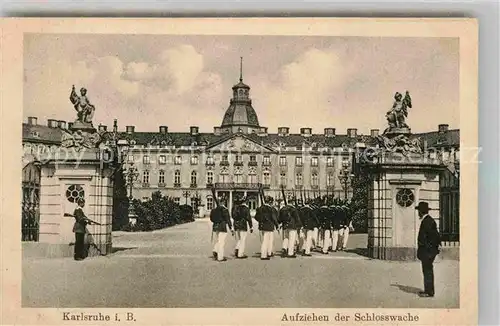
[(182, 81)]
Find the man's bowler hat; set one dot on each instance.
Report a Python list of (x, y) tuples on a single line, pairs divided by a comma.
[(422, 206)]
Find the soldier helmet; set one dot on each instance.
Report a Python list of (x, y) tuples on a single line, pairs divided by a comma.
[(83, 90), (80, 201)]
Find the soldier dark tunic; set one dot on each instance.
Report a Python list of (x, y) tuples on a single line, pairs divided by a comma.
[(220, 218), (242, 221), (309, 222), (79, 228), (268, 222), (241, 217), (290, 220), (324, 218), (266, 217), (221, 222)]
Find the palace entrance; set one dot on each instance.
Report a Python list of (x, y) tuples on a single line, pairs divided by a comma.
[(228, 192)]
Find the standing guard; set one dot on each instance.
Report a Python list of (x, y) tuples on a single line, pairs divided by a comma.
[(221, 220), (242, 221), (267, 224)]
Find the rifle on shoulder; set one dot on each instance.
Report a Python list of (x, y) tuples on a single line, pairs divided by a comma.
[(88, 219)]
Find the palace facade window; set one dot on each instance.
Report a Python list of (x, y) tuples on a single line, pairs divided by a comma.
[(252, 176), (267, 177), (314, 161), (315, 179), (145, 177), (210, 203), (267, 160), (283, 180), (282, 160), (177, 200), (238, 175), (329, 161), (210, 160), (224, 175), (177, 178), (298, 161), (298, 179), (146, 159), (194, 178), (161, 177), (194, 160), (210, 177), (162, 159), (178, 160), (131, 159), (330, 179)]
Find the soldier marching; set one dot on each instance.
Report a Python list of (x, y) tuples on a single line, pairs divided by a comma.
[(321, 223)]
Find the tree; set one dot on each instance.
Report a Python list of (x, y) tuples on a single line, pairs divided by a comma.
[(120, 201), (359, 203)]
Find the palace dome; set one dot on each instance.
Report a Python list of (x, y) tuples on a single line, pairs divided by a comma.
[(240, 111), (240, 114)]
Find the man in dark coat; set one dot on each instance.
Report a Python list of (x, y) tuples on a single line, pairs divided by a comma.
[(221, 223), (290, 219), (429, 242), (80, 228), (268, 222), (242, 222)]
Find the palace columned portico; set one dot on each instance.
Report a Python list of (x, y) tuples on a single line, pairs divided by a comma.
[(229, 191)]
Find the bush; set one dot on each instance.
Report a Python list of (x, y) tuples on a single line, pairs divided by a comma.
[(157, 213), (186, 213)]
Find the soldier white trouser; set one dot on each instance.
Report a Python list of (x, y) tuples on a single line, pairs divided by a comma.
[(335, 239), (271, 244), (307, 242), (326, 240), (220, 241), (292, 235), (240, 245), (266, 246), (315, 237), (285, 239), (302, 239), (345, 237)]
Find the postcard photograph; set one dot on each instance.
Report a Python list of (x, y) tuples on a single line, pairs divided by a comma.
[(218, 170)]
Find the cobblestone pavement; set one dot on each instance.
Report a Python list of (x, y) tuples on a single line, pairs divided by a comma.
[(173, 268)]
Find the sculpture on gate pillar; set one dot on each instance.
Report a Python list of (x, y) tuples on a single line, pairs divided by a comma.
[(85, 110), (82, 133), (397, 137), (397, 114)]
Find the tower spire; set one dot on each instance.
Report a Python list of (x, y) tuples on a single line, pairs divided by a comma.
[(241, 69)]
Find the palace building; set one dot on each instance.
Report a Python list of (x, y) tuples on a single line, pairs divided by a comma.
[(240, 154)]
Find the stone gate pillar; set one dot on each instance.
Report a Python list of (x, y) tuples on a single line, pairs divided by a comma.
[(402, 174), (81, 168)]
